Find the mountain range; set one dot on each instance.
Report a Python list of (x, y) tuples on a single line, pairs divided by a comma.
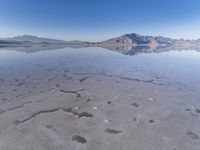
[(151, 41), (124, 42)]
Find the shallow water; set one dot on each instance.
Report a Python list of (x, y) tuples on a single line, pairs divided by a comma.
[(94, 98)]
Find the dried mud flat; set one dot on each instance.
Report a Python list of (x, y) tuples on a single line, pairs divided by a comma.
[(58, 105)]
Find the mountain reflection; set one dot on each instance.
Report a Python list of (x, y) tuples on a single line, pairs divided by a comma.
[(123, 49)]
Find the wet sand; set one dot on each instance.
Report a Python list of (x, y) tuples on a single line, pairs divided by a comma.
[(79, 102)]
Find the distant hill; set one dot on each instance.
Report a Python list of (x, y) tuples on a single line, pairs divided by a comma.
[(7, 42), (34, 39)]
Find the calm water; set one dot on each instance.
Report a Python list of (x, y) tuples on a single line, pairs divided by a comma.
[(177, 68)]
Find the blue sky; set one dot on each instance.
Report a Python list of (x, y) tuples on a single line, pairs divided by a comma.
[(95, 20)]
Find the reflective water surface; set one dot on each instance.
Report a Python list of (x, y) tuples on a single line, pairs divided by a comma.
[(95, 98)]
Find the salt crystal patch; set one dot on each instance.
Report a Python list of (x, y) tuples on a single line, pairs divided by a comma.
[(116, 97), (151, 99), (95, 108), (77, 107), (106, 121), (192, 107)]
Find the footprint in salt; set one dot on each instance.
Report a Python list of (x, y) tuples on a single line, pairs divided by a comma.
[(113, 131), (79, 139)]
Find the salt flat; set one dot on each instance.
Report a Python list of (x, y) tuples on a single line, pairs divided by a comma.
[(95, 99)]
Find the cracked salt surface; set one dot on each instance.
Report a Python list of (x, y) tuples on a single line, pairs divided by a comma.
[(92, 98)]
